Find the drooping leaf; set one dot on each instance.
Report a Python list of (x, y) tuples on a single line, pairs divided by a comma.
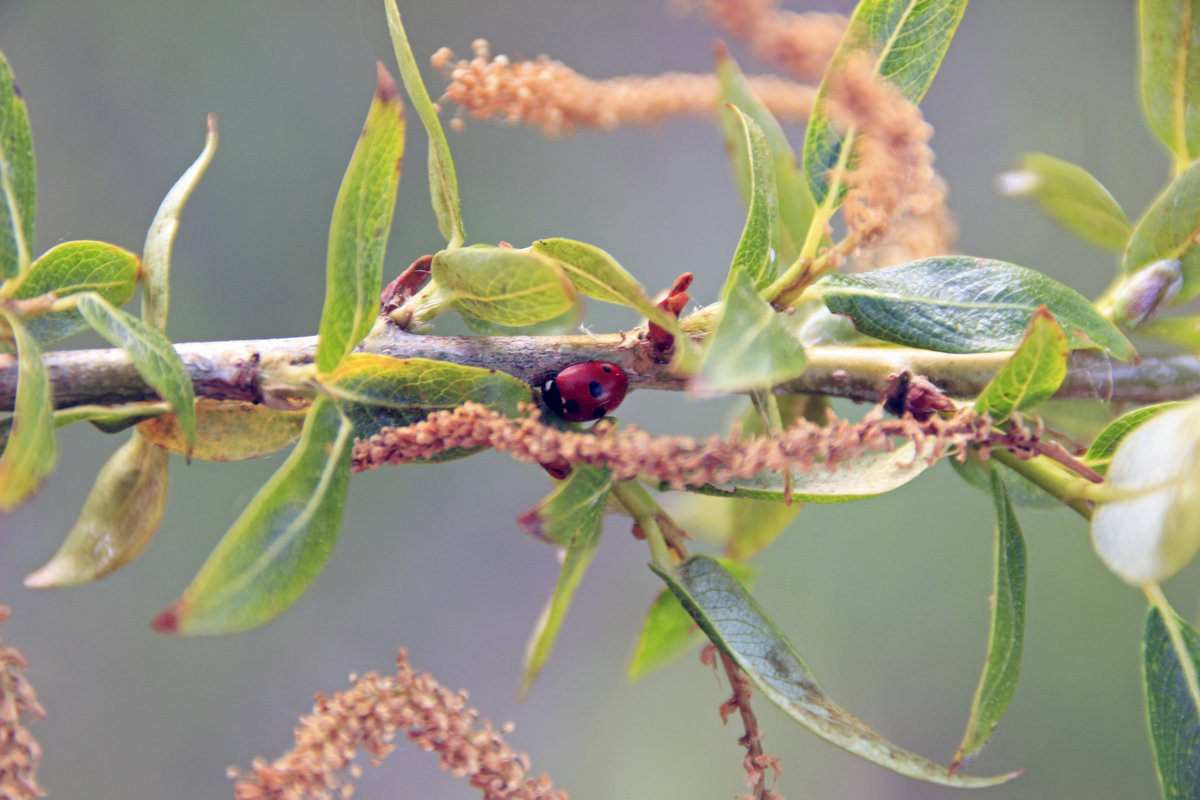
[(1071, 196), (1100, 454), (669, 631), (795, 206), (443, 181), (852, 479), (280, 542), (1145, 530), (503, 285), (358, 233), (73, 267), (751, 347), (119, 517), (1033, 374), (1170, 73), (960, 304), (597, 274), (152, 355), (1171, 671), (756, 250), (1169, 229), (376, 391), (906, 40), (1006, 636), (29, 453), (160, 238), (16, 151), (228, 430), (572, 516), (735, 623)]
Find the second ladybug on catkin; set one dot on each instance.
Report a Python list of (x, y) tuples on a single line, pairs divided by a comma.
[(586, 391)]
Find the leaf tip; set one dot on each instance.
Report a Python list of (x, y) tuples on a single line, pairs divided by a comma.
[(168, 621), (385, 84), (49, 575)]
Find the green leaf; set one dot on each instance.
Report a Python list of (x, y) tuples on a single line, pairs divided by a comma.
[(1021, 491), (795, 204), (443, 181), (906, 40), (735, 623), (1171, 666), (852, 479), (119, 517), (16, 151), (1032, 375), (152, 355), (280, 542), (1170, 38), (110, 419), (1144, 528), (1006, 636), (1072, 197), (1183, 331), (751, 347), (669, 630), (503, 285), (160, 238), (1169, 229), (29, 453), (755, 252), (74, 267), (376, 391), (572, 516), (228, 430), (960, 304), (597, 274), (1100, 454), (358, 233)]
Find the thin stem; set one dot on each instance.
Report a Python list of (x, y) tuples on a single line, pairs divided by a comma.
[(1052, 477), (641, 506)]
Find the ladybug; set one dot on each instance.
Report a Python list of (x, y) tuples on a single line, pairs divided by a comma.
[(586, 391)]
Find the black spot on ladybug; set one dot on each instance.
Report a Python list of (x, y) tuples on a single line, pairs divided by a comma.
[(571, 407), (595, 389)]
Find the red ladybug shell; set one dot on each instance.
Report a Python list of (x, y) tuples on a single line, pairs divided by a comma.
[(586, 391)]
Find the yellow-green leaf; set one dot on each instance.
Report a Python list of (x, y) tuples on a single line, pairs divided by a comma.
[(756, 250), (228, 430), (1169, 229), (503, 285), (280, 542), (1170, 73), (18, 183), (1071, 196), (29, 453), (358, 232), (597, 274), (118, 519), (1033, 374), (73, 267)]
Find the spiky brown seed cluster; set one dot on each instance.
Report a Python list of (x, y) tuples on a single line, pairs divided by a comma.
[(799, 44), (19, 751), (367, 717)]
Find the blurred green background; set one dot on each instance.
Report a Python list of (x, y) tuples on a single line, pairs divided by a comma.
[(886, 598)]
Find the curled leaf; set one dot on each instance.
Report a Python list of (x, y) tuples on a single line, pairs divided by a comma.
[(227, 430)]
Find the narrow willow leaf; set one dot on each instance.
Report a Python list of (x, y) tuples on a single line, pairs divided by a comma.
[(16, 151), (503, 285), (1021, 491), (228, 430), (751, 347), (29, 453), (118, 519), (1145, 530), (1170, 73), (735, 623), (280, 542), (1071, 196), (960, 304), (1171, 671), (669, 630), (795, 204), (1006, 636), (755, 252), (907, 40), (152, 355), (160, 238), (1183, 331), (853, 479), (73, 267), (443, 181), (1100, 454), (110, 419), (572, 515), (1033, 374), (597, 274), (358, 233), (1169, 229), (376, 391)]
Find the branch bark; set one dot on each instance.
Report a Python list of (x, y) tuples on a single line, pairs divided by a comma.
[(244, 370)]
